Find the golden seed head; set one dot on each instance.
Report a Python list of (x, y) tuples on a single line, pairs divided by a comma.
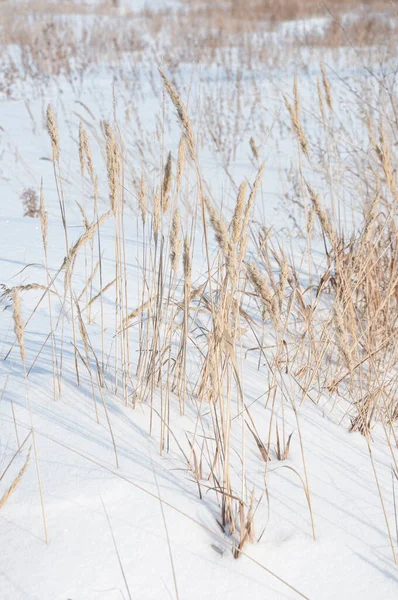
[(53, 131)]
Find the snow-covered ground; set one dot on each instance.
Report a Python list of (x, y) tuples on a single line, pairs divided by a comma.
[(133, 525)]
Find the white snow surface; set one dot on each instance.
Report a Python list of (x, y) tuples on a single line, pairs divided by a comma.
[(89, 557)]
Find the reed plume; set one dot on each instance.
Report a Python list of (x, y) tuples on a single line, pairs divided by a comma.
[(175, 240), (166, 183), (18, 322), (263, 291), (180, 164), (327, 87), (294, 112), (53, 131), (181, 112), (112, 165), (238, 213), (321, 214), (224, 242)]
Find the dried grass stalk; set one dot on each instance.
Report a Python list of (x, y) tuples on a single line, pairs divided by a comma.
[(180, 164), (310, 219), (167, 183), (104, 289), (84, 238), (187, 263), (175, 240), (238, 213), (83, 333), (320, 100), (43, 218), (253, 194), (294, 112), (327, 87), (263, 290), (84, 216), (136, 312), (384, 154), (142, 200), (254, 148), (341, 336), (321, 214), (16, 481), (53, 131), (224, 242), (283, 279), (18, 322), (156, 214), (112, 165), (7, 293), (85, 153), (367, 230), (81, 151), (182, 114), (90, 279)]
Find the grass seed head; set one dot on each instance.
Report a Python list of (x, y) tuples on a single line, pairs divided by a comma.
[(18, 322), (175, 240), (238, 213), (53, 131), (167, 183)]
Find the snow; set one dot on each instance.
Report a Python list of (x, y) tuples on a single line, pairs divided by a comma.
[(350, 558), (89, 557)]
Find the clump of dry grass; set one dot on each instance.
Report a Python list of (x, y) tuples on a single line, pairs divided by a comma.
[(369, 27), (327, 335), (30, 203)]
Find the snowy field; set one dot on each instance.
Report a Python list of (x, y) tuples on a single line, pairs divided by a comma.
[(198, 302)]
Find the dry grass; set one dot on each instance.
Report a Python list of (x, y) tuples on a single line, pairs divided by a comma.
[(11, 489), (332, 339), (357, 331), (199, 31), (290, 10)]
